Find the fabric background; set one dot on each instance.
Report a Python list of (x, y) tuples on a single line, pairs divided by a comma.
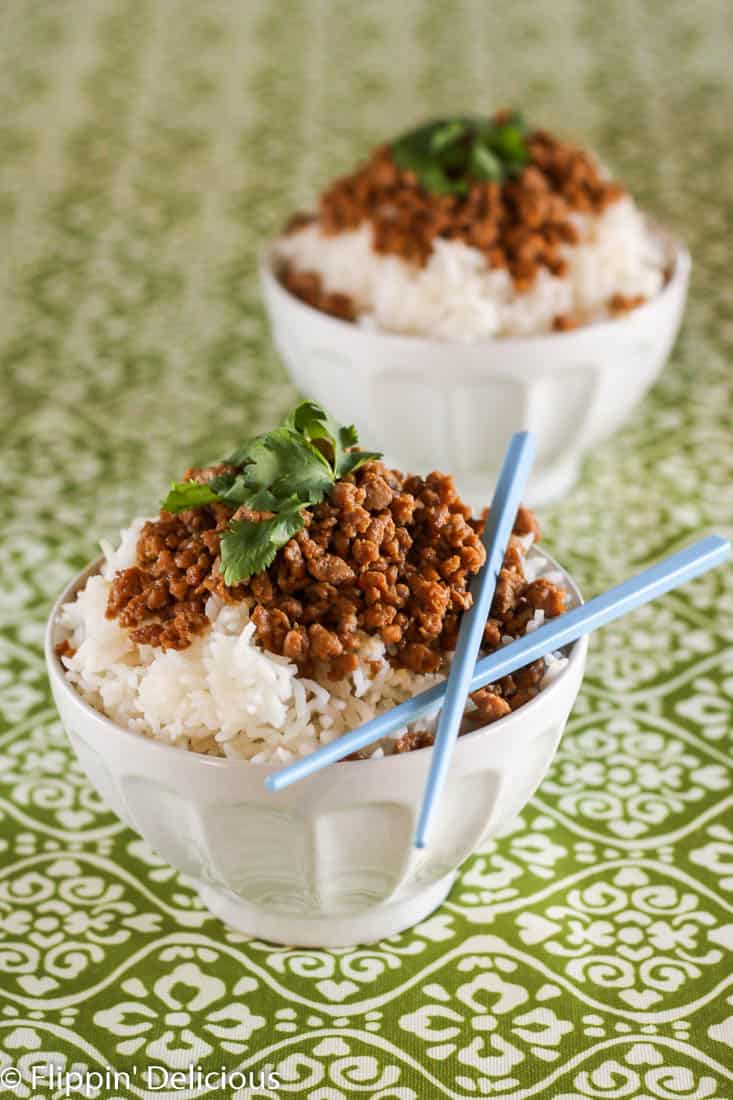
[(147, 149)]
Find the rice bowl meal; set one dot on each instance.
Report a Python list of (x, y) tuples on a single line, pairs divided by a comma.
[(293, 592), (471, 228)]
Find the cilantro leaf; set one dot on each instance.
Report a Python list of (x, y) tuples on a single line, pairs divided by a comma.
[(235, 491), (242, 453), (280, 472), (308, 419), (447, 134), (485, 165), (261, 500), (224, 485), (354, 459), (286, 464), (248, 547), (447, 155), (315, 423), (509, 143), (188, 494), (434, 153)]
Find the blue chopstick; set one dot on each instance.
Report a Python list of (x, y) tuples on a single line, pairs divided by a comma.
[(500, 520), (554, 634)]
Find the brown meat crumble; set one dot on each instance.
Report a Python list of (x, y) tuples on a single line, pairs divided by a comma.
[(308, 286), (387, 554), (623, 303), (519, 225)]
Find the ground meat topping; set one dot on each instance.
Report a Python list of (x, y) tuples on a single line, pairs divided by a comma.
[(64, 649), (624, 303), (386, 554), (308, 286), (490, 704), (417, 739), (565, 322), (519, 225)]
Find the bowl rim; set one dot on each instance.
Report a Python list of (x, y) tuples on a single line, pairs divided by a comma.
[(59, 681), (680, 263)]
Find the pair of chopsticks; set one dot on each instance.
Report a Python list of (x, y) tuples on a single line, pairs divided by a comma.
[(467, 675)]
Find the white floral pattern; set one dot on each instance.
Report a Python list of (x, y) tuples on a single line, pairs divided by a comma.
[(183, 999)]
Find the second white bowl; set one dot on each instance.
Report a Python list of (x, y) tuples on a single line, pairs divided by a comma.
[(438, 404)]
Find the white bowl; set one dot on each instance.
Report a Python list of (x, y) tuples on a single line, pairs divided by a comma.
[(328, 862), (447, 405)]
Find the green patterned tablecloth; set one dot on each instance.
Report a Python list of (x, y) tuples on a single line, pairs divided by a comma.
[(147, 147)]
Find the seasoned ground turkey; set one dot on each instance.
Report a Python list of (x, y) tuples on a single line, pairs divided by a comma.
[(308, 286), (623, 303), (387, 554), (519, 225)]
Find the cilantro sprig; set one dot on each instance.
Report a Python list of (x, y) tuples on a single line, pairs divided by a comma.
[(448, 155), (280, 473)]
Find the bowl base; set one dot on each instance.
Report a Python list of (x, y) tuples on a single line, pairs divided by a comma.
[(328, 931)]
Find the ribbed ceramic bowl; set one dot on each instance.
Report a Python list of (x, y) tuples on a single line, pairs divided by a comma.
[(329, 861), (446, 405)]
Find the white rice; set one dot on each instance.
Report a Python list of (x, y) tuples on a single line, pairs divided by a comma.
[(224, 695), (457, 296)]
